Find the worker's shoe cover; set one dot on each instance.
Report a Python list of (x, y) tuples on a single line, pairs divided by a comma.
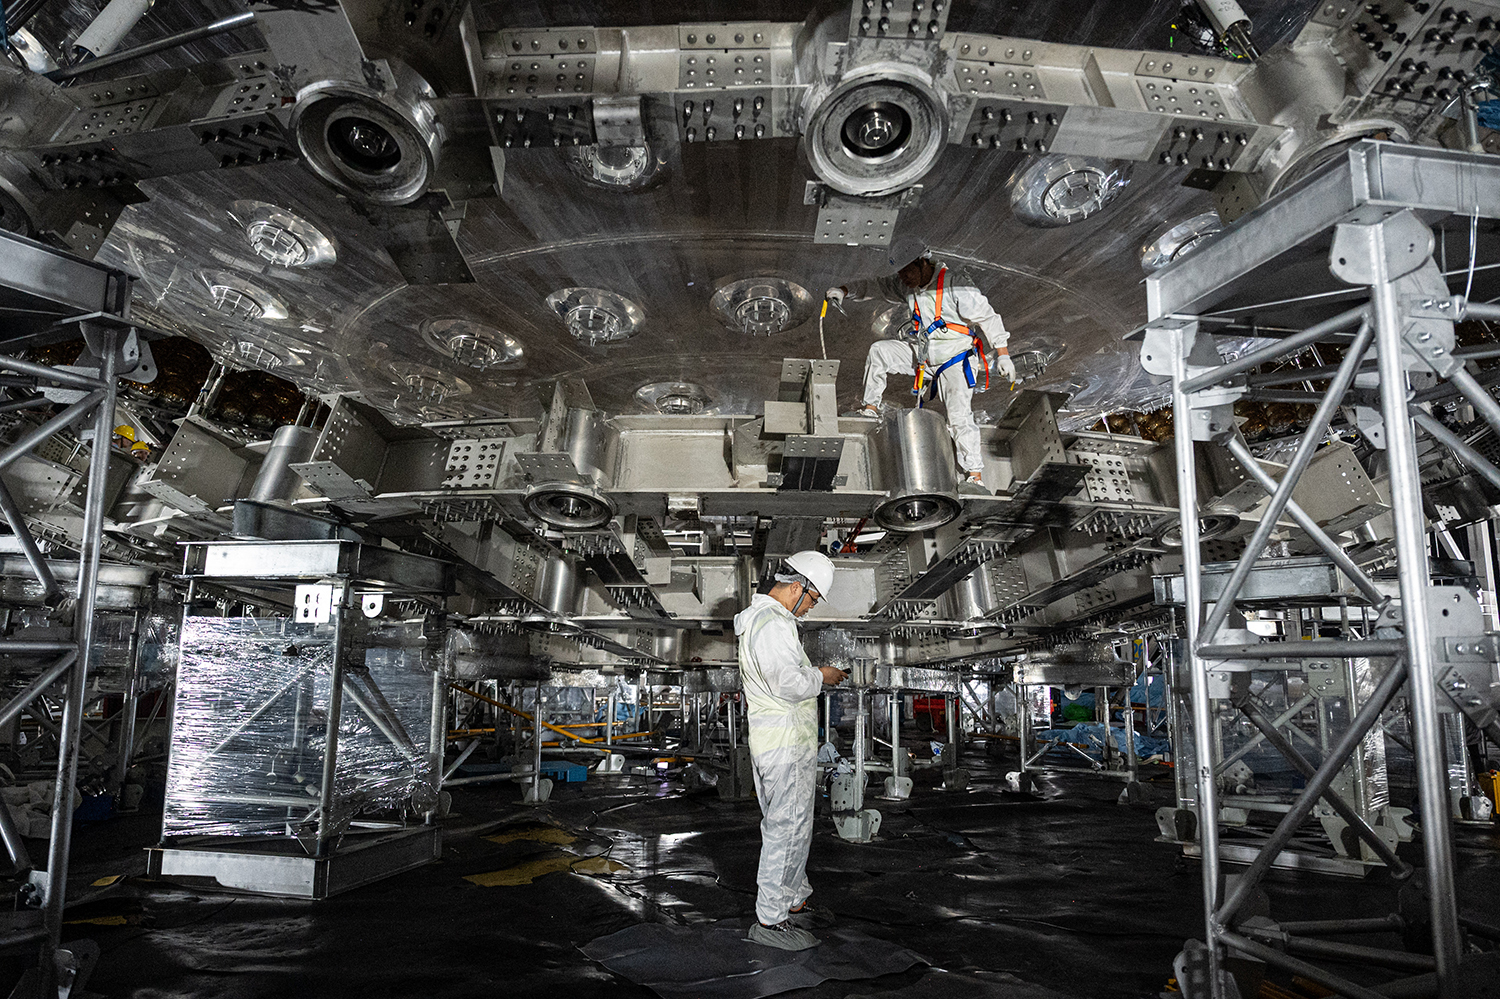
[(783, 935), (807, 917)]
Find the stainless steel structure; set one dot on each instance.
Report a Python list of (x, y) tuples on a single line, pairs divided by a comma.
[(235, 807), (1359, 211), (113, 350), (548, 292)]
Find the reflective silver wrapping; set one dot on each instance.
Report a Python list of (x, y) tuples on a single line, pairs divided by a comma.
[(158, 649), (249, 727), (1377, 778)]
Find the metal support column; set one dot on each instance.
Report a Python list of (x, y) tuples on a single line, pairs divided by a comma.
[(896, 768), (327, 824), (125, 738), (1411, 563), (950, 712), (536, 746), (437, 742), (861, 734), (77, 678), (1181, 343)]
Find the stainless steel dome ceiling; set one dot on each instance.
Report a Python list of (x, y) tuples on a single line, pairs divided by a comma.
[(723, 213), (706, 215)]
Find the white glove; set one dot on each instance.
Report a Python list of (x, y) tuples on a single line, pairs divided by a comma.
[(835, 296), (1005, 369)]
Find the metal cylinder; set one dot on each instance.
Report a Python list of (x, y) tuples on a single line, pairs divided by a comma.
[(559, 587), (591, 444), (972, 601), (667, 646), (113, 24), (571, 505), (276, 481), (914, 456)]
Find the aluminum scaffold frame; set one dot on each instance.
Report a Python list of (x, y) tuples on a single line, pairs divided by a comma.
[(49, 289), (1364, 199)]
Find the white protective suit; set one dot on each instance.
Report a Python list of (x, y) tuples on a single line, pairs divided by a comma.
[(781, 695), (963, 304)]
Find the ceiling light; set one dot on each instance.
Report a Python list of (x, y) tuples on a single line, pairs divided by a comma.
[(285, 239), (1033, 355), (595, 315), (674, 398), (1178, 241), (1061, 190), (473, 345), (762, 306), (240, 298)]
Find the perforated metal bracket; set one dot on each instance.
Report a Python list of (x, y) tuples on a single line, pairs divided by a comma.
[(1213, 407), (545, 467), (1404, 242), (313, 603), (856, 221)]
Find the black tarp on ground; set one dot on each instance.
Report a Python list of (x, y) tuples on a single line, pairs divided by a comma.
[(715, 961)]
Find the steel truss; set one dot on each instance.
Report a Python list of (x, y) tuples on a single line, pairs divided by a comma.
[(1363, 201), (52, 295), (57, 967)]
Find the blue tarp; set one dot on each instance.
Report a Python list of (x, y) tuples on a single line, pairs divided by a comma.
[(1091, 734)]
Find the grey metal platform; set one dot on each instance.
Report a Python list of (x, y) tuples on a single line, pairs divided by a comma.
[(273, 868)]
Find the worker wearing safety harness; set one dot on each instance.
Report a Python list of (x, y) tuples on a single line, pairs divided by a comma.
[(944, 352), (781, 697)]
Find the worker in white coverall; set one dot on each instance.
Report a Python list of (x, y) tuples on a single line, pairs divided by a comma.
[(944, 350), (781, 694)]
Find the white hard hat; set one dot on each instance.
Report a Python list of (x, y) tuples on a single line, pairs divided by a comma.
[(817, 567), (906, 248)]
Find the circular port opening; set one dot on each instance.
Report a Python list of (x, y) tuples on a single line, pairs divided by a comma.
[(364, 144), (876, 131)]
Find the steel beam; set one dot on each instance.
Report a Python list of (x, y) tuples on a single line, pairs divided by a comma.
[(1378, 174), (1399, 868), (1330, 547), (92, 532), (1283, 495), (1411, 563), (1338, 754), (1203, 729)]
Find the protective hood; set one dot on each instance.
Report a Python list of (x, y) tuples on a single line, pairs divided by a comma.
[(758, 606)]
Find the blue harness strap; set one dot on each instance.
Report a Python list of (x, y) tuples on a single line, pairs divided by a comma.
[(968, 371), (939, 324)]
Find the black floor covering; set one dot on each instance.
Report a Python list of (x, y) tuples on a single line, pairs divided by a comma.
[(1063, 895)]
